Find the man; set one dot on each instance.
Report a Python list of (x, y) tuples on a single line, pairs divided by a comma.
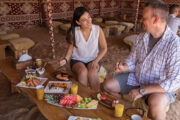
[(173, 20), (153, 66)]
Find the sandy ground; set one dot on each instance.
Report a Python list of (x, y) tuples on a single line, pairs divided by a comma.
[(19, 107)]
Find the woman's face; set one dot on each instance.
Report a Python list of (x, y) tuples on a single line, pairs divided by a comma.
[(85, 20)]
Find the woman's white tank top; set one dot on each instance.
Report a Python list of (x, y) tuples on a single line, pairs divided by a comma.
[(86, 51)]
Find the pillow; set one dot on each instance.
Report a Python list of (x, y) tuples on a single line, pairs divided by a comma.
[(112, 22), (130, 39), (97, 20), (3, 32), (22, 43), (102, 74), (65, 27), (9, 36)]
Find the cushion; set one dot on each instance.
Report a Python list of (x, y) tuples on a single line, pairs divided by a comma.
[(128, 25), (106, 31), (3, 32), (102, 74), (111, 22), (56, 24), (97, 20), (9, 36), (65, 27), (22, 43), (130, 39)]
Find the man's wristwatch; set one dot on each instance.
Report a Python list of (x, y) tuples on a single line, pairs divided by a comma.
[(142, 91)]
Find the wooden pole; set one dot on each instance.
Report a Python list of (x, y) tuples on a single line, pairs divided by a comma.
[(136, 18), (49, 7)]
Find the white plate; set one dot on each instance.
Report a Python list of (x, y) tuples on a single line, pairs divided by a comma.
[(42, 81), (46, 90), (76, 117)]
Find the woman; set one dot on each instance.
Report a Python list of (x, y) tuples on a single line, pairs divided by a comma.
[(87, 46)]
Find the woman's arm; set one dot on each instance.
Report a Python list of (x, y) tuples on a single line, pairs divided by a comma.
[(68, 55), (69, 52), (102, 45)]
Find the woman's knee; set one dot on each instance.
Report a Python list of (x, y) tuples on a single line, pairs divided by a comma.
[(83, 72)]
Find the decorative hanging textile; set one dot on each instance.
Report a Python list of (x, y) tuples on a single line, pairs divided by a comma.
[(137, 12), (49, 7)]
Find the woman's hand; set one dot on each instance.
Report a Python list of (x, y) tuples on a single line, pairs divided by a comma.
[(120, 67), (62, 62), (93, 64)]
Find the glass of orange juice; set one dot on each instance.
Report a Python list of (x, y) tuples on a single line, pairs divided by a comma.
[(74, 89), (119, 109), (40, 92)]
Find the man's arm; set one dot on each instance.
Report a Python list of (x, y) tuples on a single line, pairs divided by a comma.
[(132, 58)]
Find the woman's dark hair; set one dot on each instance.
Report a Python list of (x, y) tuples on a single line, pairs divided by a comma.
[(70, 37)]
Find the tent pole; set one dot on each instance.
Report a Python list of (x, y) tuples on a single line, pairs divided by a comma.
[(136, 18), (49, 7)]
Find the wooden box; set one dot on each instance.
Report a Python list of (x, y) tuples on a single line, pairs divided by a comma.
[(23, 65)]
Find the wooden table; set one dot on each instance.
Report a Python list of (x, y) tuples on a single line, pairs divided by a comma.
[(3, 45), (52, 112)]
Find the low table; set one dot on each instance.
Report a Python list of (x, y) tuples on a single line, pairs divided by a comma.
[(52, 112)]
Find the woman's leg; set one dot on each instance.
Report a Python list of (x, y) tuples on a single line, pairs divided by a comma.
[(93, 76), (81, 71)]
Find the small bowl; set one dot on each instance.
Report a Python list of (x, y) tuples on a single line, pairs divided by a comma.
[(136, 117), (40, 71), (30, 71)]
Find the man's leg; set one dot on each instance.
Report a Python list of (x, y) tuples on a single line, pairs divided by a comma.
[(118, 85), (112, 86), (158, 103)]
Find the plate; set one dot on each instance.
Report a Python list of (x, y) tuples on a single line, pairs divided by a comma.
[(58, 87), (40, 79), (69, 101), (83, 118), (108, 102), (61, 76)]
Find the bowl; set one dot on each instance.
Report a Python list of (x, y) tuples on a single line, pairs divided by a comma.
[(30, 71), (40, 71), (136, 117)]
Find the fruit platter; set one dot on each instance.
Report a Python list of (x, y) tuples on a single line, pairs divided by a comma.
[(82, 118), (61, 76), (31, 81), (71, 101), (106, 99), (58, 87)]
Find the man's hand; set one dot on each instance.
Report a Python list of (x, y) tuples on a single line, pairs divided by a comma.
[(135, 94), (120, 67)]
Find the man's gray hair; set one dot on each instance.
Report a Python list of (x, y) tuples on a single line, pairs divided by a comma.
[(159, 8)]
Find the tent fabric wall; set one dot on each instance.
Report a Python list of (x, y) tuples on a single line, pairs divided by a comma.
[(128, 7), (16, 14)]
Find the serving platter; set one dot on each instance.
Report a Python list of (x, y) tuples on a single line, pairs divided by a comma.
[(58, 87)]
